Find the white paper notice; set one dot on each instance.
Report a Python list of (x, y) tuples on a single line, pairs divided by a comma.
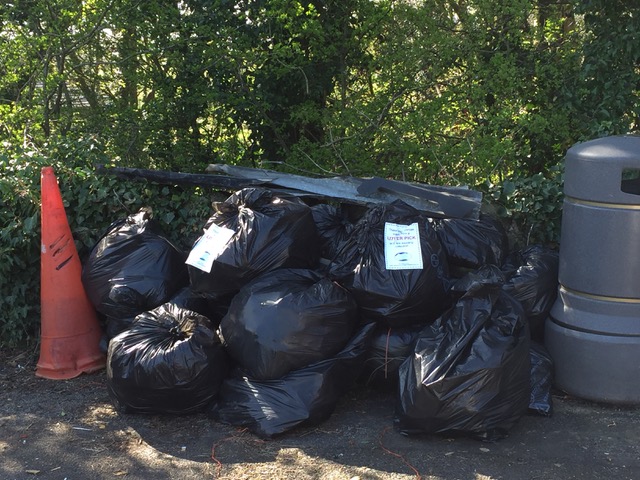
[(209, 247), (402, 247)]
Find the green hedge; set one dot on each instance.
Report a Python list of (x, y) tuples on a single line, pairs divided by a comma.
[(531, 207), (91, 203)]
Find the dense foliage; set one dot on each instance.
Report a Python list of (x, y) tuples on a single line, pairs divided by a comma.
[(488, 93), (92, 202), (434, 90)]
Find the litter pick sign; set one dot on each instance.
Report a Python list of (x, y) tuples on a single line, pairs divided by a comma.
[(402, 249), (209, 247)]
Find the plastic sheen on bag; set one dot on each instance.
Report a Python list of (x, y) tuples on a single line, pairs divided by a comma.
[(334, 228), (541, 401), (303, 397), (213, 309), (472, 243), (285, 320), (256, 232), (532, 278), (470, 370), (133, 268), (389, 348), (170, 361), (394, 266)]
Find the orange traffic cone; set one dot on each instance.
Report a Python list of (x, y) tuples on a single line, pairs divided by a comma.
[(69, 332)]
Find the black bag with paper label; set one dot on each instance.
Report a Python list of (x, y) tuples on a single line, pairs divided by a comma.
[(251, 232), (394, 266)]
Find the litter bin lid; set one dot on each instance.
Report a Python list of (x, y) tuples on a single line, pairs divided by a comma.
[(604, 170)]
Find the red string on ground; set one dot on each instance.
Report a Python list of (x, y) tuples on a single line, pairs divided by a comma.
[(213, 457), (218, 463), (398, 455)]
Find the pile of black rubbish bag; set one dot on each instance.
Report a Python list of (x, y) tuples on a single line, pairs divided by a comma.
[(283, 306)]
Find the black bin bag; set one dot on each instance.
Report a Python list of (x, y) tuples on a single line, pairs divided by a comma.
[(541, 401), (389, 348), (285, 320), (303, 397), (170, 361), (379, 267), (133, 268), (469, 373), (472, 243), (251, 232), (334, 227), (532, 278), (213, 309)]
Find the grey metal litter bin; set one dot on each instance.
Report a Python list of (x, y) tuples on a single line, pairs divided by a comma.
[(593, 333)]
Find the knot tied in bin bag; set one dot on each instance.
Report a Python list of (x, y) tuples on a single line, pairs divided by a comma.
[(251, 232), (469, 372), (133, 268), (171, 360), (285, 320), (394, 266), (334, 228)]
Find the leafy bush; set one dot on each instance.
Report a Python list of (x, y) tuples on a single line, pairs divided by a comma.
[(91, 203), (19, 245), (531, 206)]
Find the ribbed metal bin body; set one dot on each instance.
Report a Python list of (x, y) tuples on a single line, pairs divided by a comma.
[(593, 333)]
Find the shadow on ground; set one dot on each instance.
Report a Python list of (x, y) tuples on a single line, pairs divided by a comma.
[(70, 430)]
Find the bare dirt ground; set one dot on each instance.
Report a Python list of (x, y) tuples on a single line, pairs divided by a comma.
[(69, 430)]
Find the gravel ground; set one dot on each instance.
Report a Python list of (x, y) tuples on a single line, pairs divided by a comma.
[(70, 430)]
